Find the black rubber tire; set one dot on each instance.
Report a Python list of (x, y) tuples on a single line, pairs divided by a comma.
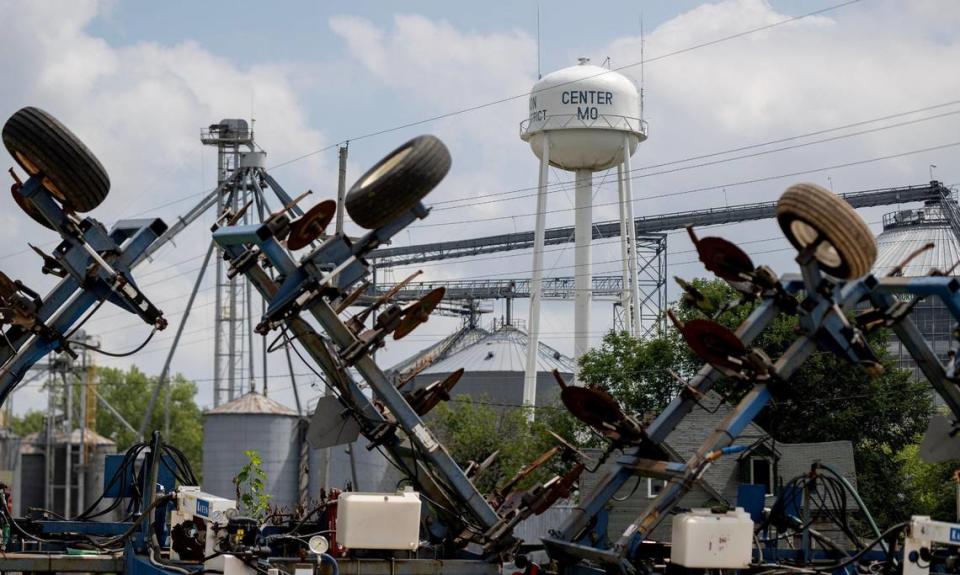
[(848, 250), (398, 181), (43, 146)]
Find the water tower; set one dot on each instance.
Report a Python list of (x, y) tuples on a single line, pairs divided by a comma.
[(583, 119)]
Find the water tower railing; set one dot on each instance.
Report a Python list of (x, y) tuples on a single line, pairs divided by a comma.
[(574, 121)]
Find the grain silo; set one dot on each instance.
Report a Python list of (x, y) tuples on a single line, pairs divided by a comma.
[(904, 232), (43, 480), (251, 422), (494, 363), (10, 463)]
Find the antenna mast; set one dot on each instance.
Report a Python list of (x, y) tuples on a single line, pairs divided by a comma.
[(538, 42), (642, 60)]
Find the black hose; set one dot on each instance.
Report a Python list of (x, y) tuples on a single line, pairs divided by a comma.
[(112, 353), (862, 552)]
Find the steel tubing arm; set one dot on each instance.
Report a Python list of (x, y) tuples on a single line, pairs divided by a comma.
[(350, 394), (185, 220), (825, 315), (419, 434), (165, 372), (657, 432)]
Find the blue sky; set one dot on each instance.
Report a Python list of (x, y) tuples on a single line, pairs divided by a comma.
[(138, 80)]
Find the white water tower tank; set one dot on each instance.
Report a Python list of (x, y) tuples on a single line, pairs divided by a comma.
[(587, 110)]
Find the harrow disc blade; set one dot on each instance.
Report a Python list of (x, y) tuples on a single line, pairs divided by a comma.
[(714, 343), (311, 225), (418, 313), (725, 259)]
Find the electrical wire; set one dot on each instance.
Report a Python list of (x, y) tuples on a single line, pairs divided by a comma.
[(707, 188), (681, 168), (489, 104)]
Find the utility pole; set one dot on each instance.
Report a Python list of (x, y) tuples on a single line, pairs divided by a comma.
[(342, 184)]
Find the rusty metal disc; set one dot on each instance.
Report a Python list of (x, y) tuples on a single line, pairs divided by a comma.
[(28, 208), (418, 313), (593, 406), (724, 259), (437, 392), (714, 343), (310, 225), (8, 289)]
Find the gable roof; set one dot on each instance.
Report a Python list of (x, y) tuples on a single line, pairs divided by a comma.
[(721, 479)]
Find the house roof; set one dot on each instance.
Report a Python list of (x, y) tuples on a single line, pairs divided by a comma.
[(721, 479)]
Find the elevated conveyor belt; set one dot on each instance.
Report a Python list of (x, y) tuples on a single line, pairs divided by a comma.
[(406, 255)]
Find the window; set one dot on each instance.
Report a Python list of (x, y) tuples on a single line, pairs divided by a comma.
[(761, 473), (654, 487)]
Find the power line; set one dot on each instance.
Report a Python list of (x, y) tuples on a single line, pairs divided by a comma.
[(710, 188), (567, 185), (485, 105), (692, 166)]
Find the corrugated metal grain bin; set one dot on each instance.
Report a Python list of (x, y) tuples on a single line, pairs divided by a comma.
[(251, 422)]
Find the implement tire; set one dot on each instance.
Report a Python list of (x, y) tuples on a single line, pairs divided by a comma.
[(44, 147), (808, 212), (398, 181)]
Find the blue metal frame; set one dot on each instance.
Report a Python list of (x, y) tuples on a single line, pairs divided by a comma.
[(86, 282), (331, 270), (823, 320)]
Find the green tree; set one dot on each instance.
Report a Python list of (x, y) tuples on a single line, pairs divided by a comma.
[(635, 371), (29, 422), (933, 486), (129, 392), (473, 430)]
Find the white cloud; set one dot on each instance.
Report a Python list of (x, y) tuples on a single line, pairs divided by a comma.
[(438, 68), (140, 108)]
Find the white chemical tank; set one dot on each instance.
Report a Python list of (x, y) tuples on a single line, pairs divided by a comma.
[(587, 110)]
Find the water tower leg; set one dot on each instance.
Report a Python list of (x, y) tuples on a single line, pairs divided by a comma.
[(583, 276), (536, 281), (632, 237), (625, 297)]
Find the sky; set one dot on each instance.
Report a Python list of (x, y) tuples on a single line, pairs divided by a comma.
[(137, 81)]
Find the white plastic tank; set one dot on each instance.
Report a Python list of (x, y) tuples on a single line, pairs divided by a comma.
[(587, 109), (703, 539)]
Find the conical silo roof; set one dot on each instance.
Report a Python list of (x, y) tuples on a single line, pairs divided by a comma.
[(904, 232), (494, 363), (252, 403), (908, 230), (502, 350)]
